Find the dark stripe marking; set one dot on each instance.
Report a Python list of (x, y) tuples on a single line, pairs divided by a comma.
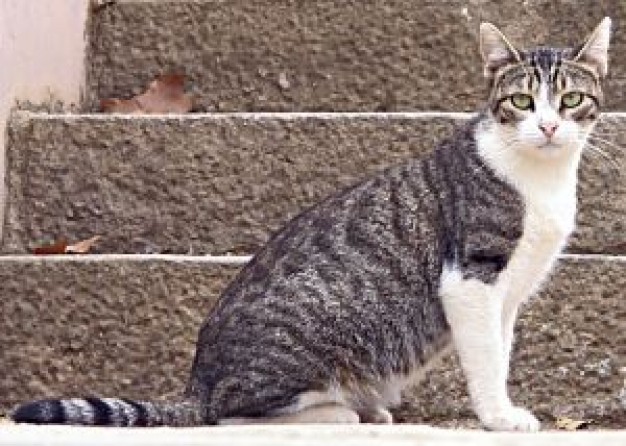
[(140, 412), (40, 412), (101, 411)]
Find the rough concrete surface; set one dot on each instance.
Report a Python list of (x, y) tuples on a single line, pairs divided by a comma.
[(569, 359), (369, 55), (218, 183), (128, 328), (101, 328), (300, 435)]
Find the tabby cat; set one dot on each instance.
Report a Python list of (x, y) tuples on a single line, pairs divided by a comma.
[(349, 302)]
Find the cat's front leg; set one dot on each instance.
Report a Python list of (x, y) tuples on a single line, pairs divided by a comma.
[(474, 312), (509, 315)]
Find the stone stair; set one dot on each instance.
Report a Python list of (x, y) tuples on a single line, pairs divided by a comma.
[(219, 183), (126, 325), (325, 55), (302, 435), (318, 94)]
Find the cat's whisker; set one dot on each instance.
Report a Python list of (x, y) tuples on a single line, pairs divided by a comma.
[(602, 155), (609, 131), (612, 123), (609, 124), (609, 149), (604, 133), (609, 143), (592, 152), (596, 146)]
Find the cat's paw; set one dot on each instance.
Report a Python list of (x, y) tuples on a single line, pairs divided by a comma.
[(379, 415), (511, 419)]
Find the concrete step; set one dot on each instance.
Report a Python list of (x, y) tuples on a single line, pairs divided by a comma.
[(220, 183), (301, 435), (102, 324), (324, 55), (126, 325)]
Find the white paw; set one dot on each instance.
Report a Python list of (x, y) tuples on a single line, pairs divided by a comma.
[(510, 419), (379, 415)]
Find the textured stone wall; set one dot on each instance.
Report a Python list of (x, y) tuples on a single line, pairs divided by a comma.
[(128, 328), (218, 184), (370, 55)]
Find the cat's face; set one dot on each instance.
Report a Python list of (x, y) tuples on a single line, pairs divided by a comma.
[(545, 101)]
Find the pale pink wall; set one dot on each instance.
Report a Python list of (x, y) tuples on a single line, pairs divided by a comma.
[(42, 48)]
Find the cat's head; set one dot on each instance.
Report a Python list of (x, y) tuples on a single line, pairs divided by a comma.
[(544, 101)]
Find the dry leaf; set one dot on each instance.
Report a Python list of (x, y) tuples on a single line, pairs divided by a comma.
[(82, 247), (129, 106), (56, 248), (61, 247), (165, 94), (569, 424)]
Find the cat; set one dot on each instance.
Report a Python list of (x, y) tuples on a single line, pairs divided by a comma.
[(349, 302)]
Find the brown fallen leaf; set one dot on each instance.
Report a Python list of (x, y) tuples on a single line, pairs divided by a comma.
[(82, 247), (55, 248), (165, 94), (61, 247), (569, 424), (130, 106)]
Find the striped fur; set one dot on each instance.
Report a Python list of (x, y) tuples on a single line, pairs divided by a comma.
[(350, 300), (109, 412), (550, 67), (553, 71), (345, 296)]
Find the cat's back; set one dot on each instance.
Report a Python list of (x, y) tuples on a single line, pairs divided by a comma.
[(367, 239), (346, 292)]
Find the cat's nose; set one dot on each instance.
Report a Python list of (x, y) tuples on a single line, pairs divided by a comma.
[(548, 128)]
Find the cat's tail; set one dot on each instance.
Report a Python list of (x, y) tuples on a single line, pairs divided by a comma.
[(109, 412)]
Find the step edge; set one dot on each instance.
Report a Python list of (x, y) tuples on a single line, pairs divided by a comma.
[(218, 259), (132, 258), (287, 116), (298, 434)]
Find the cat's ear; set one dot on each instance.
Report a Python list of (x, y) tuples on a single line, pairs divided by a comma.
[(595, 51), (495, 49)]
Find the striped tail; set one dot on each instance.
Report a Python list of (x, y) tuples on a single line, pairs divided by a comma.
[(109, 412)]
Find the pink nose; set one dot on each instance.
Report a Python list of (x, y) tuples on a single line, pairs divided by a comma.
[(549, 128)]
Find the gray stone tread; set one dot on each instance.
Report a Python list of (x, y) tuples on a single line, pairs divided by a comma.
[(127, 326), (219, 183)]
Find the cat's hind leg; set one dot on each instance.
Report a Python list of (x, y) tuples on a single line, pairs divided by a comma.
[(324, 413)]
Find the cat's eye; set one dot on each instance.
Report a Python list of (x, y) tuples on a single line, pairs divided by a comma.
[(522, 101), (572, 99)]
